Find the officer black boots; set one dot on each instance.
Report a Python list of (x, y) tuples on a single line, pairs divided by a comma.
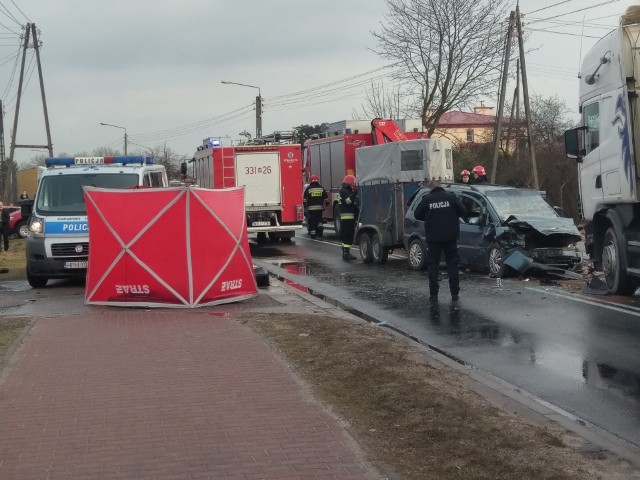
[(346, 254)]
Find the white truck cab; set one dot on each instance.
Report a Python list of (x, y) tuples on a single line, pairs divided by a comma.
[(606, 149), (58, 241)]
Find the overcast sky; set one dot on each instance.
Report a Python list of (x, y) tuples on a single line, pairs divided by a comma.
[(155, 66)]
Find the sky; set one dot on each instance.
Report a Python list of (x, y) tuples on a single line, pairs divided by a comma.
[(155, 67)]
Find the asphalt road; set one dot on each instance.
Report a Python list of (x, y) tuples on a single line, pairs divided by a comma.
[(580, 353)]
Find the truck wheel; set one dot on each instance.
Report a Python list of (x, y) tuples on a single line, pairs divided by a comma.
[(274, 237), (417, 255), (615, 274), (262, 237), (366, 253), (22, 229), (337, 223), (36, 282), (496, 266), (379, 252)]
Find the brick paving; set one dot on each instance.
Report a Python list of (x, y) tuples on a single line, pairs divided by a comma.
[(159, 394)]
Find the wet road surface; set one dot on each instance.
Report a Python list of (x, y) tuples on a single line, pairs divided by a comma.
[(577, 352)]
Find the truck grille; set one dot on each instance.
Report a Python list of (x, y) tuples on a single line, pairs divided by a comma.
[(70, 250)]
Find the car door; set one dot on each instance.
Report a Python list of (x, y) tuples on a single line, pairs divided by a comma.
[(472, 245), (413, 226)]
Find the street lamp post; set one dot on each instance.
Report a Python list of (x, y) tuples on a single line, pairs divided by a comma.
[(125, 134), (258, 106)]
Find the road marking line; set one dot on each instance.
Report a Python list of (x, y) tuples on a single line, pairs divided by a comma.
[(631, 310)]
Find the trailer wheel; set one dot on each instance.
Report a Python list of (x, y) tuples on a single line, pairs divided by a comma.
[(615, 274), (337, 223), (379, 252), (417, 255), (366, 253)]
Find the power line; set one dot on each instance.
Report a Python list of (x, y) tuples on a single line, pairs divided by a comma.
[(562, 33), (550, 6), (14, 4), (575, 11), (5, 11)]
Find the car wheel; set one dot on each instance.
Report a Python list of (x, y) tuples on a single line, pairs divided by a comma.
[(417, 255), (337, 223), (378, 251), (497, 268), (365, 248), (36, 282), (615, 274), (22, 229)]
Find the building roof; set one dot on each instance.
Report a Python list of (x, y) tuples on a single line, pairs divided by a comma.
[(465, 119)]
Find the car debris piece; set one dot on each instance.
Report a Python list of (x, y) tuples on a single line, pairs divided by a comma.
[(595, 286), (517, 260)]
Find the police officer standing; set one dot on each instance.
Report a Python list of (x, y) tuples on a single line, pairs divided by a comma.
[(348, 210), (315, 198), (441, 211)]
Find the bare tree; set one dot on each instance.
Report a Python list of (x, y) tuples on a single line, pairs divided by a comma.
[(448, 52), (382, 101)]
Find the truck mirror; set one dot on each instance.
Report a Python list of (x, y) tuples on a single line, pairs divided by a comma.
[(573, 143)]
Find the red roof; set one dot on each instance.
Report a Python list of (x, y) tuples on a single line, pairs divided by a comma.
[(465, 119)]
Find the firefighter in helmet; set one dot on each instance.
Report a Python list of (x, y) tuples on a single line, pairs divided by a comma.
[(480, 174), (315, 198), (348, 210), (465, 177)]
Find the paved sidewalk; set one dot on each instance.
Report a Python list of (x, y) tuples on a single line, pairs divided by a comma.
[(163, 394)]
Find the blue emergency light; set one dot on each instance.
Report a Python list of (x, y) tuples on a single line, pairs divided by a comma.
[(71, 161)]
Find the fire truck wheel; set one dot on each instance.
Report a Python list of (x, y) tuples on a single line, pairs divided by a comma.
[(262, 237), (274, 237)]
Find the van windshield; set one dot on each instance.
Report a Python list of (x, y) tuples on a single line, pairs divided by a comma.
[(515, 201), (62, 194)]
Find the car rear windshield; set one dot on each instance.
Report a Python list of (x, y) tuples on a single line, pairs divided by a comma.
[(509, 202), (62, 194)]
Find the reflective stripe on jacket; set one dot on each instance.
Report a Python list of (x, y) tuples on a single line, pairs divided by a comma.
[(314, 197)]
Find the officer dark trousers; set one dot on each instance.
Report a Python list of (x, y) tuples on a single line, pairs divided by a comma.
[(348, 227), (434, 252), (314, 217), (4, 231)]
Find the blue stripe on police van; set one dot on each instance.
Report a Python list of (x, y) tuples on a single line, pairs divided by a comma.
[(66, 228)]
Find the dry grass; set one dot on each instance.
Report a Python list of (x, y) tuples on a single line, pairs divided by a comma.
[(418, 417), (10, 329), (15, 259)]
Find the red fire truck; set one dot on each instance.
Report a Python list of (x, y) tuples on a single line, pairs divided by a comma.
[(272, 176), (334, 156)]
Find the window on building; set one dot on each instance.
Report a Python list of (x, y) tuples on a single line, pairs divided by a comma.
[(470, 135)]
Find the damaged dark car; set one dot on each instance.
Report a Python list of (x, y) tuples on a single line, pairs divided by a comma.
[(507, 230)]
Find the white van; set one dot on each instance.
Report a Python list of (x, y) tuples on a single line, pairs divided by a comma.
[(58, 241)]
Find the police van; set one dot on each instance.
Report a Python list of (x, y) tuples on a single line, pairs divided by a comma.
[(58, 241)]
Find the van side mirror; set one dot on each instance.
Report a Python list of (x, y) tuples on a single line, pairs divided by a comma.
[(574, 143)]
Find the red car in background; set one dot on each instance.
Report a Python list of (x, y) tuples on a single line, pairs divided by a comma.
[(17, 225)]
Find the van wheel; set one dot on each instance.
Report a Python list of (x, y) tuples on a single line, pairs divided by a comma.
[(615, 274), (36, 282), (365, 248), (379, 252), (417, 255), (497, 268)]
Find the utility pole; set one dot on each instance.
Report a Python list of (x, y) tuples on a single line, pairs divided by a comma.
[(503, 91), (259, 115), (513, 107), (30, 31), (525, 95)]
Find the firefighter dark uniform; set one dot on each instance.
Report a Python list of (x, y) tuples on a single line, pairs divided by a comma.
[(315, 197), (348, 210), (441, 211)]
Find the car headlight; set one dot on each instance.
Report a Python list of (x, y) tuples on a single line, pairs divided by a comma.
[(36, 225)]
